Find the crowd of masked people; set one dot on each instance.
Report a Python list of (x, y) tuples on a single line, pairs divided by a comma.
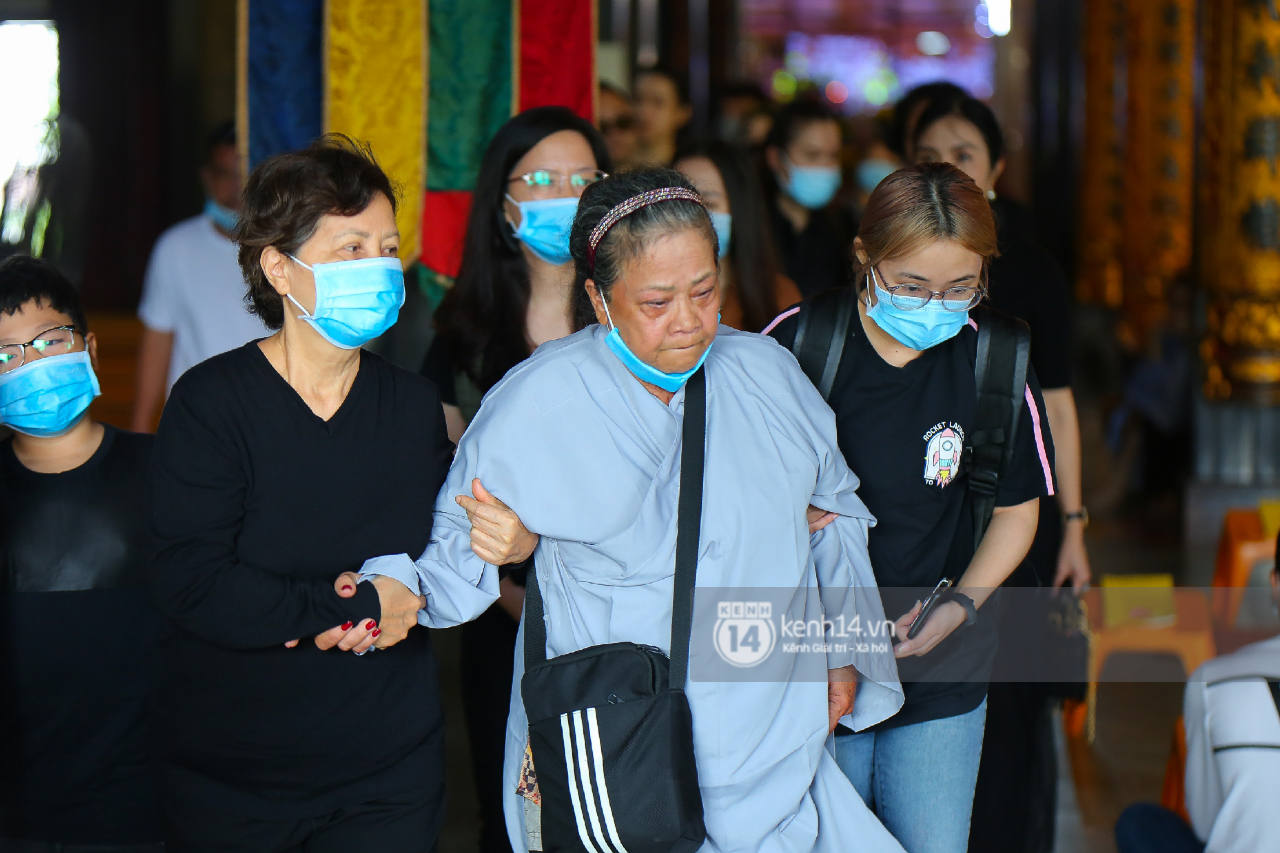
[(217, 637)]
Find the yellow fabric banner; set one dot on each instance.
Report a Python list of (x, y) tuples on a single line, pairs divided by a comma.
[(375, 62)]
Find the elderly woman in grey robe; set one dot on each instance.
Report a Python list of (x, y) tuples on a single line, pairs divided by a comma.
[(583, 442)]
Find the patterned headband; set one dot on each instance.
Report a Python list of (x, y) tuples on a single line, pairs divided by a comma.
[(629, 207)]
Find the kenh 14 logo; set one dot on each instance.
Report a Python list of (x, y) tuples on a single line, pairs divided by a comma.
[(744, 632)]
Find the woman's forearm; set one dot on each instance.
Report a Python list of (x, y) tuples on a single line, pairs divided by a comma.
[(1007, 540)]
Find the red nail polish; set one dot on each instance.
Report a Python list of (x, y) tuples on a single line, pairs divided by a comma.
[(376, 632), (346, 626), (370, 625)]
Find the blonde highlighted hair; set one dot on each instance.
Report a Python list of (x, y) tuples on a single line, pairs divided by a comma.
[(919, 205)]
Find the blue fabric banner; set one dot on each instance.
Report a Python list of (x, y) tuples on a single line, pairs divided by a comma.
[(285, 75)]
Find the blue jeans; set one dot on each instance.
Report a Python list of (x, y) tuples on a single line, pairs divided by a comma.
[(1148, 828), (919, 779)]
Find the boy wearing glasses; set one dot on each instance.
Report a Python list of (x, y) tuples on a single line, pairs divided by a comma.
[(76, 631)]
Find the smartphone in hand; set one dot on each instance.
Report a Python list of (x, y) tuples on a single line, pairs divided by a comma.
[(931, 604)]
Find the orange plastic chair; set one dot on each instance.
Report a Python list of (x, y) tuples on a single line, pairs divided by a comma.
[(1174, 794), (1243, 543), (1189, 638)]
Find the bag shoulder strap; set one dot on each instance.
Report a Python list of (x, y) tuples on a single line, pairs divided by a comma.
[(688, 523), (688, 532), (1000, 375), (821, 331)]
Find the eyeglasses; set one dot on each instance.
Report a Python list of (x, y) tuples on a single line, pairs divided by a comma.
[(545, 181), (911, 297), (51, 342)]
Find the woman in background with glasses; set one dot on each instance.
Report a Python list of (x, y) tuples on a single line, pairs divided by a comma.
[(904, 399), (513, 293)]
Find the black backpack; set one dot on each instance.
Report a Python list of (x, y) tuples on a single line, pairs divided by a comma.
[(609, 726), (1000, 375)]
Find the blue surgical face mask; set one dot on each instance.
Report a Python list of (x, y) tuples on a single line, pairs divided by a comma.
[(224, 217), (723, 223), (544, 227), (642, 369), (355, 300), (872, 172), (812, 186), (918, 328), (49, 395)]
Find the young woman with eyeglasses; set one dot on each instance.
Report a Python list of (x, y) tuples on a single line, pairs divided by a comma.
[(513, 294), (904, 399)]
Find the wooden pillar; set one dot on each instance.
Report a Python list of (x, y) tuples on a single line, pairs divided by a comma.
[(1158, 174), (1240, 202), (1100, 277)]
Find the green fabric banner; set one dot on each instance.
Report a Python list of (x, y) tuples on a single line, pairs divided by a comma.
[(470, 87)]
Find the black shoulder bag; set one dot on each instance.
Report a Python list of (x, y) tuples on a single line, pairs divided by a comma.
[(609, 726), (1000, 374)]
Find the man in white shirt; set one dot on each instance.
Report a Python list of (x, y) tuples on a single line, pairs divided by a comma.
[(193, 298), (1231, 709)]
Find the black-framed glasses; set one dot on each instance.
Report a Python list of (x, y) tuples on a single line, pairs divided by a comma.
[(549, 180), (912, 297), (55, 341)]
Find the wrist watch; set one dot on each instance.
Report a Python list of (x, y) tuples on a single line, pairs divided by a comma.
[(970, 609), (1081, 515)]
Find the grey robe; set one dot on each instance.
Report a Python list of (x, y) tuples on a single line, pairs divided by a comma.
[(590, 460)]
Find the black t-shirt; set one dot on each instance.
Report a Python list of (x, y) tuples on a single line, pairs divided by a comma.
[(817, 258), (1028, 283), (77, 636), (438, 367), (257, 505), (902, 431)]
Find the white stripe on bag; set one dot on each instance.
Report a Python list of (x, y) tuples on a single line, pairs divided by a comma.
[(573, 784), (584, 768), (606, 807)]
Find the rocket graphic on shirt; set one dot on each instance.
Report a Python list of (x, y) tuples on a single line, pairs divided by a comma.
[(944, 446)]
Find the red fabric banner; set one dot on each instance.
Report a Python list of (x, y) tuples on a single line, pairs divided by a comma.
[(444, 225), (558, 55)]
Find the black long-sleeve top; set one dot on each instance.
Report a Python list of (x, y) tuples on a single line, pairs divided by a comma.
[(256, 506)]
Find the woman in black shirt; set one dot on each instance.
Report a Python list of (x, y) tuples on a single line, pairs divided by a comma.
[(1019, 759), (512, 295), (904, 398), (279, 469), (811, 231)]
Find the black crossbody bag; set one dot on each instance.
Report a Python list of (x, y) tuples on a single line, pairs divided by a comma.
[(609, 726)]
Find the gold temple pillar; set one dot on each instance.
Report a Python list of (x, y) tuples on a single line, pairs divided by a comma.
[(1101, 191), (1240, 200), (1158, 159)]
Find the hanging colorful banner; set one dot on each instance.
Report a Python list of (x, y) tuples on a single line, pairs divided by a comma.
[(375, 92), (480, 77), (280, 80), (426, 82), (470, 98), (557, 54)]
